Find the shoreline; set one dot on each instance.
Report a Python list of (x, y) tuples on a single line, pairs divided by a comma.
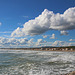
[(40, 50), (63, 49)]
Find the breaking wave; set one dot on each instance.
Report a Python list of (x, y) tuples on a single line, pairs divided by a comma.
[(27, 62)]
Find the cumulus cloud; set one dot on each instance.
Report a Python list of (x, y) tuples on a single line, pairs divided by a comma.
[(10, 42), (45, 36), (58, 43), (48, 21), (53, 36), (13, 41), (40, 42), (63, 32), (17, 33), (71, 39), (24, 42), (72, 44), (30, 41), (61, 43)]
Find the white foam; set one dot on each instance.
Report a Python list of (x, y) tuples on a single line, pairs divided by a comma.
[(31, 67)]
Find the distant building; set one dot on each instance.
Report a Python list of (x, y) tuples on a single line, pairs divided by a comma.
[(66, 49), (71, 49), (42, 49)]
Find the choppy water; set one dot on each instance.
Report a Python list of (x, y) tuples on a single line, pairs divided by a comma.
[(23, 62)]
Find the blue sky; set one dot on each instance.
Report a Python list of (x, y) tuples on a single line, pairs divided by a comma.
[(18, 30)]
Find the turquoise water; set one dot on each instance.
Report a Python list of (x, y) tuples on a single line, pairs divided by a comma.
[(27, 62)]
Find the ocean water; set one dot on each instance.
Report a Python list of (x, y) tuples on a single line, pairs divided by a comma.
[(28, 62)]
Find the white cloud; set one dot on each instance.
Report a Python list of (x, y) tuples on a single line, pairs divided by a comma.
[(72, 44), (71, 39), (40, 42), (17, 33), (57, 43), (24, 42), (64, 32), (30, 41), (7, 42), (63, 43), (45, 36), (53, 36), (60, 43), (48, 21)]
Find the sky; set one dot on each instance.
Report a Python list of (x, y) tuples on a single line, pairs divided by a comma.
[(37, 23)]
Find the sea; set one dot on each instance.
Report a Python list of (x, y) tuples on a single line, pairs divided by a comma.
[(29, 62)]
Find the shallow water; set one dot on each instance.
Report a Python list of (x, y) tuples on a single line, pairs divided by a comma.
[(27, 62)]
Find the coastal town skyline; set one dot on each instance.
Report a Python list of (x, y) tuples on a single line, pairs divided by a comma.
[(37, 23)]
